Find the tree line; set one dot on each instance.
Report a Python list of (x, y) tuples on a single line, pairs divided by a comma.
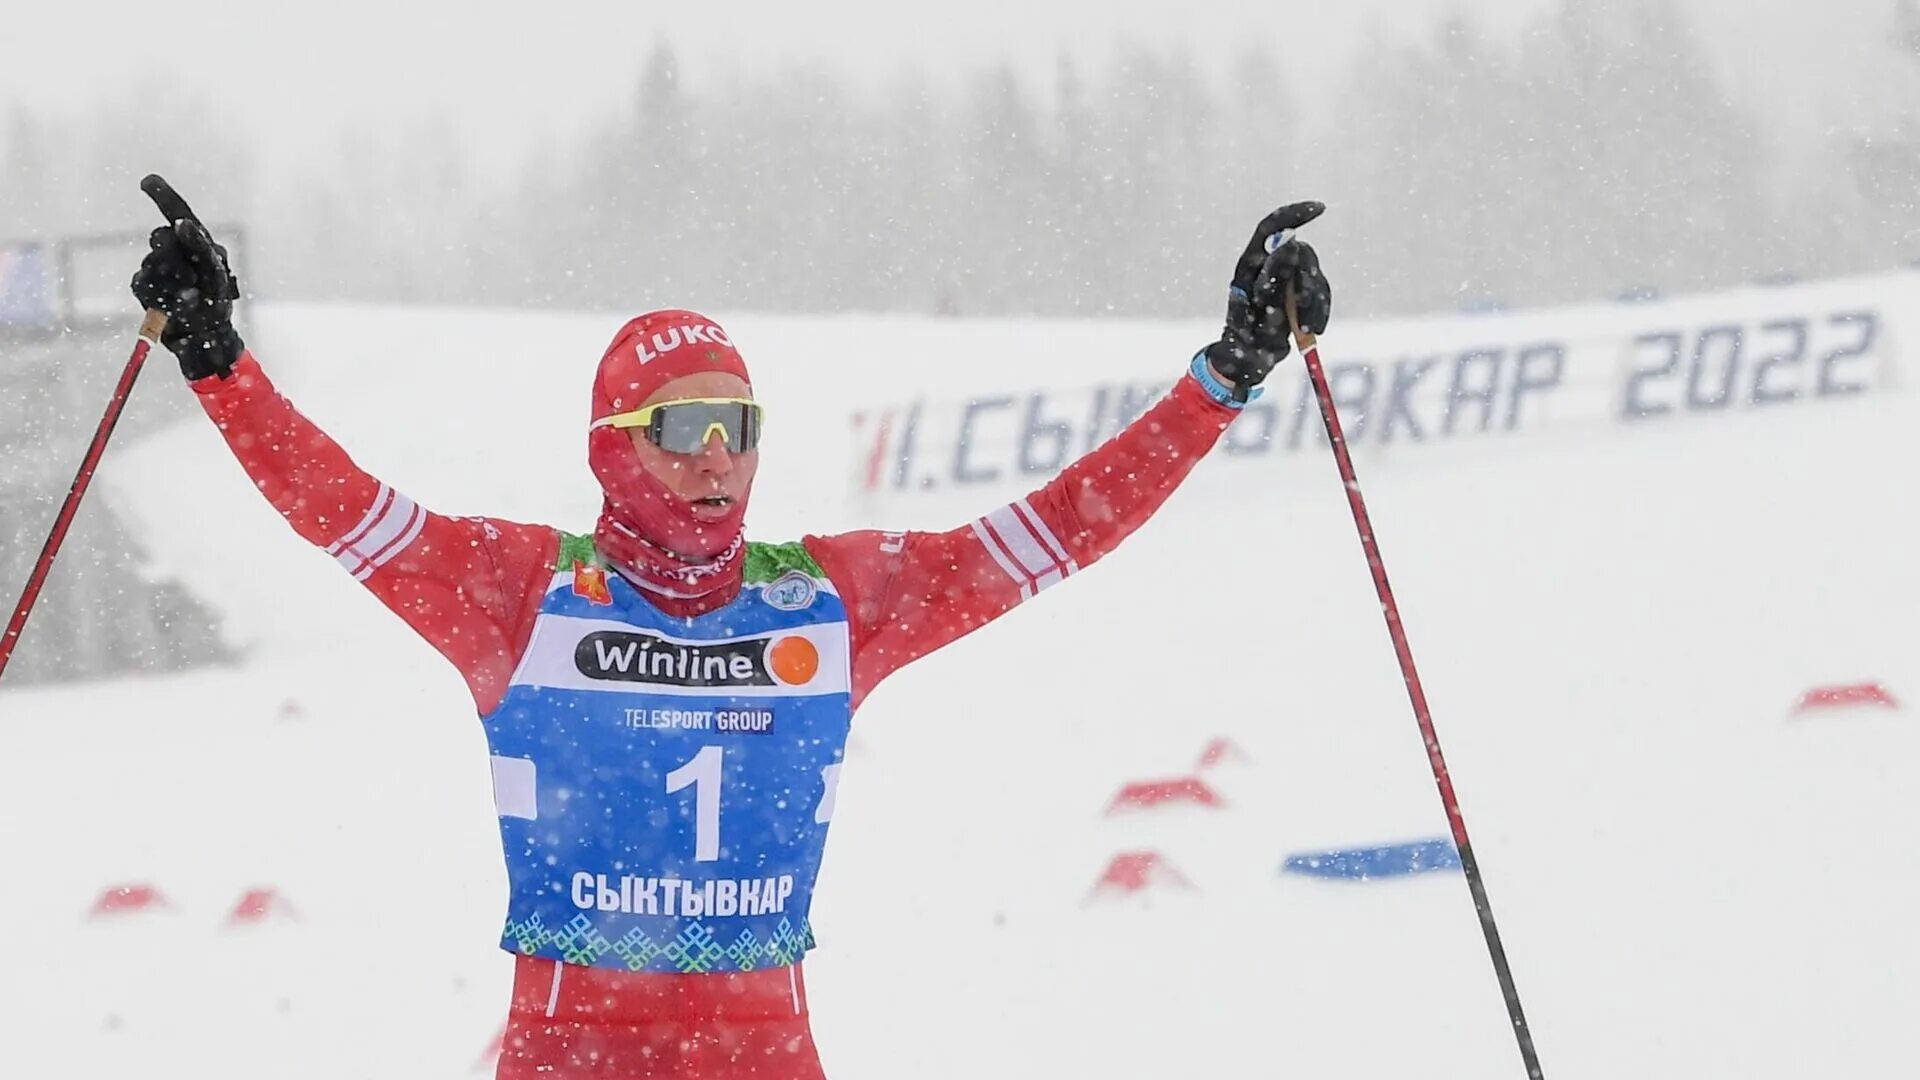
[(1595, 155)]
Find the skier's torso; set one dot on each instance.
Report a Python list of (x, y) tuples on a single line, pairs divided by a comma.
[(665, 785)]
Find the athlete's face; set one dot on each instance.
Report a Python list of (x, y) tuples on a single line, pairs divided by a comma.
[(713, 481)]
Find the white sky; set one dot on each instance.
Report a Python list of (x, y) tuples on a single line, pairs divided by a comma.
[(296, 73)]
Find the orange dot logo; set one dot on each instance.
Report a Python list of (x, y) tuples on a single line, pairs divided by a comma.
[(793, 660)]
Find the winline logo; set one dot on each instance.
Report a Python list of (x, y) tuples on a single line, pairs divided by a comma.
[(788, 660)]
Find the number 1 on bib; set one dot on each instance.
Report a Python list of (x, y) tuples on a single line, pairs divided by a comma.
[(703, 773)]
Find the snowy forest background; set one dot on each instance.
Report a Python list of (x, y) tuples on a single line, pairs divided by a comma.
[(1598, 156)]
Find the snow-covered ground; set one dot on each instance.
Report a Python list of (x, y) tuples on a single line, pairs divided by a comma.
[(1614, 622)]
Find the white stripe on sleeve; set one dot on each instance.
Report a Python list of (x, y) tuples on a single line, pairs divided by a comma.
[(1025, 547), (1032, 517), (1020, 541), (382, 499), (394, 523), (999, 553)]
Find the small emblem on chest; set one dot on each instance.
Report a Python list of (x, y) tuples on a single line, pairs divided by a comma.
[(792, 591), (591, 582)]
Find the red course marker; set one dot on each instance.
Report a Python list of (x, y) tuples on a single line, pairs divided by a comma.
[(1137, 871), (1840, 697), (258, 905), (1148, 793), (127, 900), (1221, 749)]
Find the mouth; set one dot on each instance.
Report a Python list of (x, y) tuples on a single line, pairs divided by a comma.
[(712, 507)]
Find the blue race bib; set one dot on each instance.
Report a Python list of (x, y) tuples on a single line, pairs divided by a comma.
[(665, 785)]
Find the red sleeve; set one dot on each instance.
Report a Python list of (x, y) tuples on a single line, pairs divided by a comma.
[(907, 594), (469, 586)]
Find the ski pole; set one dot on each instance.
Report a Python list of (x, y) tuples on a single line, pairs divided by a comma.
[(150, 328), (1310, 352), (151, 325)]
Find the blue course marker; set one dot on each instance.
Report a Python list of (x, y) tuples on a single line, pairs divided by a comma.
[(1386, 860)]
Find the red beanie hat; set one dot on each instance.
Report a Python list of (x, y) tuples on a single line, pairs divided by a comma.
[(653, 350)]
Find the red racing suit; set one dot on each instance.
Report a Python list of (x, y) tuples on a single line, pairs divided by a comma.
[(471, 586)]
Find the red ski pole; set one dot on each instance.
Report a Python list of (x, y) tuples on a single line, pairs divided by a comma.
[(150, 328), (1310, 352)]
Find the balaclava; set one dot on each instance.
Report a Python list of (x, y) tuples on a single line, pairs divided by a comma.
[(647, 533)]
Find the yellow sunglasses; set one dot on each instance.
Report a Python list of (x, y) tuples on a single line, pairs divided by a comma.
[(686, 426)]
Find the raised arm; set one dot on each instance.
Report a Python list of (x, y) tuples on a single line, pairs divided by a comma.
[(469, 586), (910, 593)]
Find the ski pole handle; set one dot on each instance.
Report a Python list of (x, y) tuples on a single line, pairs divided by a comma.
[(1302, 338)]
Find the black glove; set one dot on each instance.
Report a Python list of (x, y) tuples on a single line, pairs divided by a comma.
[(185, 275), (1256, 335)]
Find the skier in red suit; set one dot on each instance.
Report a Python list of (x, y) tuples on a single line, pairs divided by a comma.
[(673, 443)]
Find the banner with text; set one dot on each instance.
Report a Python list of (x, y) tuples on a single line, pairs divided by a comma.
[(1413, 383)]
